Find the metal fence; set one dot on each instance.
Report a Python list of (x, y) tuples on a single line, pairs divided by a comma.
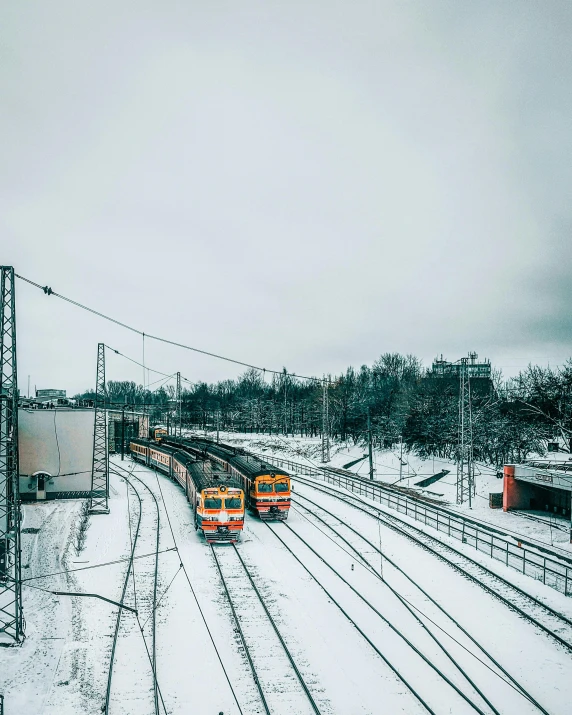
[(552, 572)]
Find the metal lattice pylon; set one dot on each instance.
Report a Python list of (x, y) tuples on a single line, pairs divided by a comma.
[(11, 615), (179, 402), (325, 422), (465, 465), (100, 468)]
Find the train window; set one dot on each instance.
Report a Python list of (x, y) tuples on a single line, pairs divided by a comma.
[(264, 487), (233, 503), (212, 503), (281, 487)]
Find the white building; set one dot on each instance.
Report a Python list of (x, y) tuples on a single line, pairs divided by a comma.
[(56, 453)]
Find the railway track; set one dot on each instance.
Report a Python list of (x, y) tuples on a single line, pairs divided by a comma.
[(460, 700), (341, 530), (145, 584), (281, 686), (545, 618)]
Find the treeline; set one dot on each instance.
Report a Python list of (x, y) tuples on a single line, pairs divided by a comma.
[(510, 419)]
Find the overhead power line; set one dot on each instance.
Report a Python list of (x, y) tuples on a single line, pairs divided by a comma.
[(158, 372), (48, 291)]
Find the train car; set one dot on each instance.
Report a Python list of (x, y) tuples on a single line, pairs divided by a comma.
[(267, 488), (216, 499), (157, 433)]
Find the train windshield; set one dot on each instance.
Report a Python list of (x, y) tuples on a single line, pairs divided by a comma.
[(281, 487), (264, 487), (232, 503), (212, 503)]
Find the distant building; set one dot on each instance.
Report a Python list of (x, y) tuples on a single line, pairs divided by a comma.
[(479, 373), (50, 396), (56, 450), (539, 485)]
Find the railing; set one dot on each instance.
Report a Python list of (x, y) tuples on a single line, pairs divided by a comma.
[(553, 573)]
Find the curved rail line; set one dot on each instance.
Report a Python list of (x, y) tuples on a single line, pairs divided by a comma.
[(272, 622), (153, 655), (471, 569), (511, 681)]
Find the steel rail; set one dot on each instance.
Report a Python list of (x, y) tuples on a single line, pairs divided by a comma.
[(390, 665), (241, 633), (154, 603), (513, 682), (411, 610), (124, 591), (421, 537), (555, 553), (278, 634), (388, 623)]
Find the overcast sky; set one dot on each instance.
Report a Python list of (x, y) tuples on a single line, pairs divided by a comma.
[(299, 184)]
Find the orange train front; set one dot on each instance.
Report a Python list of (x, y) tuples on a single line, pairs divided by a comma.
[(216, 499), (266, 487)]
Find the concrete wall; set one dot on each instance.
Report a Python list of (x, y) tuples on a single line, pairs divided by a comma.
[(59, 442)]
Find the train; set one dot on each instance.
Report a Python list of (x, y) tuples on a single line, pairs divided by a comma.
[(157, 433), (267, 488), (216, 498)]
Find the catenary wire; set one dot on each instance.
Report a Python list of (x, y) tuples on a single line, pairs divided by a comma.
[(48, 291)]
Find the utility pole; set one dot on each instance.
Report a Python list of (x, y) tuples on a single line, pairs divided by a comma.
[(217, 425), (179, 402), (11, 612), (143, 362), (401, 459), (369, 444), (325, 422), (100, 467), (285, 413), (465, 465), (123, 433)]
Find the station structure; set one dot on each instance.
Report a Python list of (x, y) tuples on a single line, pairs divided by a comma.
[(539, 485)]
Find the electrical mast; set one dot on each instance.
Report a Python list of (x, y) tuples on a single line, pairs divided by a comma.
[(100, 467), (465, 466), (11, 616), (325, 422), (369, 443), (179, 401)]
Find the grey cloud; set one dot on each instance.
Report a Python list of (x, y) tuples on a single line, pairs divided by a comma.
[(300, 185)]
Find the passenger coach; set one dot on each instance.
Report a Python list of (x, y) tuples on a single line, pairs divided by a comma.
[(267, 488), (216, 499)]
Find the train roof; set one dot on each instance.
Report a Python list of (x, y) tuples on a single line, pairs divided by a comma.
[(245, 463), (254, 467), (240, 459), (204, 473)]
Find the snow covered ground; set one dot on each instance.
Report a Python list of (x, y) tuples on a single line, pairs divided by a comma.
[(201, 665), (549, 529)]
